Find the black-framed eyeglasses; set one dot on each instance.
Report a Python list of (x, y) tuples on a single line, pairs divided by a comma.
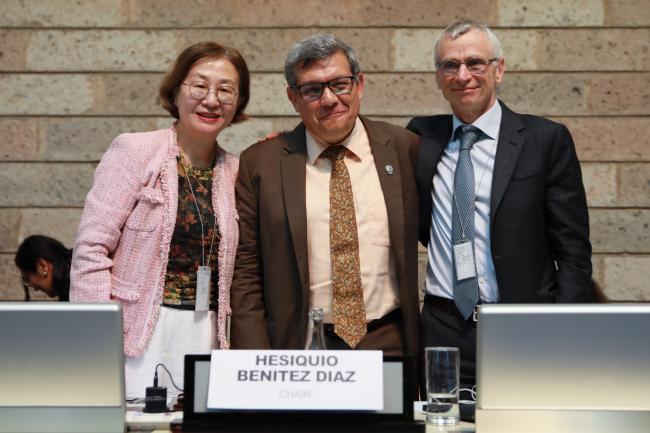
[(224, 94), (338, 86), (475, 65)]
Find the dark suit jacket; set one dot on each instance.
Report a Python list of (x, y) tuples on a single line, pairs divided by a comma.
[(270, 290), (539, 224)]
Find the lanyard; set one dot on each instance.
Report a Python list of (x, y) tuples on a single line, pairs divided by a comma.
[(198, 211)]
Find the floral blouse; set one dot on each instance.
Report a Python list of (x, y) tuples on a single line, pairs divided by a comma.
[(185, 249)]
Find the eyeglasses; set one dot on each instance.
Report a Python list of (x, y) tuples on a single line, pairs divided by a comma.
[(200, 90), (474, 65), (338, 86)]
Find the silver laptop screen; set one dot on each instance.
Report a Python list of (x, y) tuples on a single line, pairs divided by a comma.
[(564, 357), (61, 354)]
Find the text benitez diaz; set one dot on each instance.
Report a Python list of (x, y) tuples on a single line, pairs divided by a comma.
[(326, 371)]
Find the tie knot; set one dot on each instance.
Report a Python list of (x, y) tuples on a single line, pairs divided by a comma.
[(468, 134), (334, 153)]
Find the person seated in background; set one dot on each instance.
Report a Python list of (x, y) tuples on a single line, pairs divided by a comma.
[(44, 265), (159, 229)]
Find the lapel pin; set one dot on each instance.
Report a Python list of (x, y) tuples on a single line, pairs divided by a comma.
[(389, 169)]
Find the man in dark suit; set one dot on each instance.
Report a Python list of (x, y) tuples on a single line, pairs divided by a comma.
[(328, 218), (503, 210)]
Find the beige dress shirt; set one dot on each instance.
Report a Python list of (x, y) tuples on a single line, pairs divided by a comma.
[(378, 276)]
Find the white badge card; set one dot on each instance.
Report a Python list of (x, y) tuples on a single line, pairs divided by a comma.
[(464, 261), (203, 274), (296, 380)]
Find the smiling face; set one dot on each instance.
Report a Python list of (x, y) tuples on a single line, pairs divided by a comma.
[(470, 95), (332, 117), (206, 117)]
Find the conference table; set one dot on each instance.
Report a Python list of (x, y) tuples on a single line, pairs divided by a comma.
[(463, 427), (154, 423)]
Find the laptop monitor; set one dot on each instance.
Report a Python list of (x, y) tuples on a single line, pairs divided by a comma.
[(61, 368), (561, 364)]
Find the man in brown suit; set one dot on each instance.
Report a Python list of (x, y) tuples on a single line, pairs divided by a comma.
[(298, 248)]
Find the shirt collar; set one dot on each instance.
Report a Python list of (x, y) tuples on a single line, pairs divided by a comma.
[(489, 122), (354, 143)]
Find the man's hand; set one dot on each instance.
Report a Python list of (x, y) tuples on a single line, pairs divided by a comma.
[(271, 135)]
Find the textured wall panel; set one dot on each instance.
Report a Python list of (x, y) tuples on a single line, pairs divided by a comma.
[(74, 74)]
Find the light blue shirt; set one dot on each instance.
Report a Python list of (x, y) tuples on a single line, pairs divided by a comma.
[(439, 280)]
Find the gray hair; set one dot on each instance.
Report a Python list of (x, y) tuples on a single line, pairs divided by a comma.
[(316, 47), (462, 27)]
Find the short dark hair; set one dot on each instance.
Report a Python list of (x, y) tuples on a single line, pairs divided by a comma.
[(316, 47), (43, 247), (184, 62)]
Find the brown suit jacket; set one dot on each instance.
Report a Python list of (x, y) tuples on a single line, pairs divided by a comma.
[(270, 290)]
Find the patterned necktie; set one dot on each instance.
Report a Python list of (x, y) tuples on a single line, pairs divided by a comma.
[(347, 294), (465, 291)]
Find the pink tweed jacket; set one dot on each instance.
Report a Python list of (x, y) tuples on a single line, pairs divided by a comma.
[(123, 240)]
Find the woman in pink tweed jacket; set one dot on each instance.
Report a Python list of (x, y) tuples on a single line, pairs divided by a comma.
[(132, 217)]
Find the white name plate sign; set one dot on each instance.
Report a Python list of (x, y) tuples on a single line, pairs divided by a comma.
[(296, 380)]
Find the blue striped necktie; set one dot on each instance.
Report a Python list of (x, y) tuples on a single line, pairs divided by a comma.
[(466, 293)]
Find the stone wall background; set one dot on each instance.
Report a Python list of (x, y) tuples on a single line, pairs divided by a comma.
[(74, 74)]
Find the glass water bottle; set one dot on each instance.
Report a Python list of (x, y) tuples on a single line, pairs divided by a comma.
[(315, 334)]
